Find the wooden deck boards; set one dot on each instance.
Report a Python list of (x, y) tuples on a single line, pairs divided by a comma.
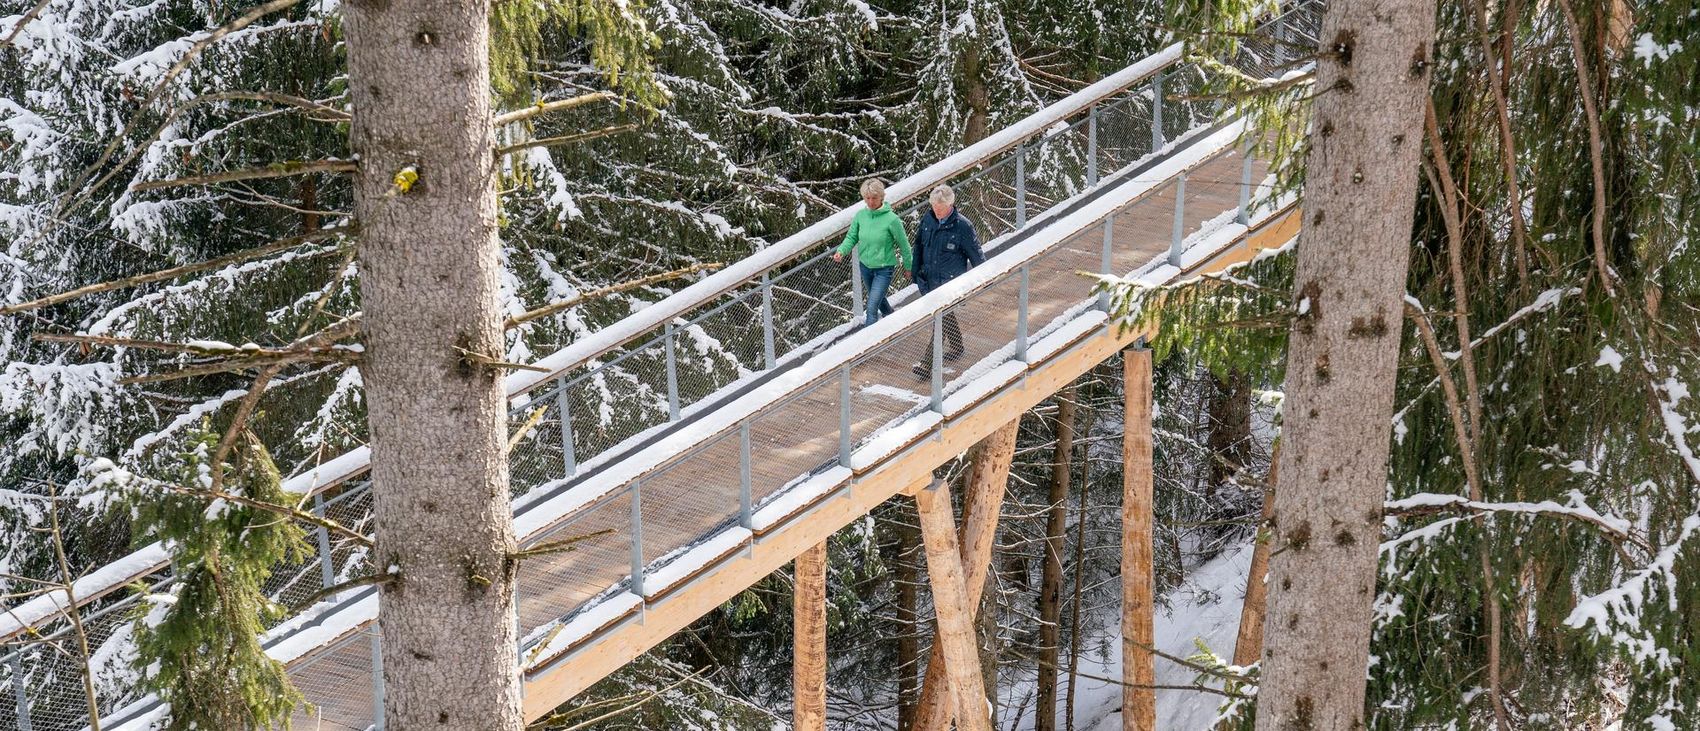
[(693, 497)]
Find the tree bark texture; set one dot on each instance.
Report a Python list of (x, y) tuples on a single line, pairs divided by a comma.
[(1050, 577), (1139, 671), (988, 476), (418, 75), (808, 662), (1360, 191), (908, 618)]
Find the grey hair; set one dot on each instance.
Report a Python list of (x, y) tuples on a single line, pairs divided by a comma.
[(943, 194), (873, 186)]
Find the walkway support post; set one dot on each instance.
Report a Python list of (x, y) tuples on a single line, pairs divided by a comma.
[(672, 372), (636, 530), (1177, 236), (1139, 700), (1106, 262), (767, 350), (327, 572), (1092, 145), (1021, 185), (955, 609), (1245, 184), (569, 456), (1157, 112), (377, 680), (988, 477), (21, 694), (808, 663)]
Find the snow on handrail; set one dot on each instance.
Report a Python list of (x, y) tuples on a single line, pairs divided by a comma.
[(151, 558)]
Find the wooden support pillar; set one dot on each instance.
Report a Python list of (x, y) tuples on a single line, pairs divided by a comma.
[(961, 660), (1139, 699), (1249, 645), (988, 477), (808, 663)]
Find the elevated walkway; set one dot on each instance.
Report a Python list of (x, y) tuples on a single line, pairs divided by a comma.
[(713, 436)]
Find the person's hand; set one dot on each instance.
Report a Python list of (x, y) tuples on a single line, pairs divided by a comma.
[(837, 256), (905, 273)]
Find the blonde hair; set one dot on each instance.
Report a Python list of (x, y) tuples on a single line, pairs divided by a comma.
[(873, 186)]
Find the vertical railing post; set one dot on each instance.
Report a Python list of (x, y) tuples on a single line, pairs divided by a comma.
[(937, 365), (855, 288), (1021, 314), (1157, 112), (844, 416), (1021, 185), (1092, 145), (746, 517), (20, 694), (377, 680), (569, 455), (1106, 258), (1180, 220), (327, 574), (1244, 217), (672, 373), (767, 350), (636, 530)]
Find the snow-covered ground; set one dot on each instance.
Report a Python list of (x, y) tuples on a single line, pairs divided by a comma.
[(1208, 608)]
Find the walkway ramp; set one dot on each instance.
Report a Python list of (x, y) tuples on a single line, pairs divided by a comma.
[(713, 436)]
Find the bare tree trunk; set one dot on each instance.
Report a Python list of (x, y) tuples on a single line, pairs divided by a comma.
[(1360, 192), (954, 607), (1139, 672), (908, 619), (808, 662), (419, 79), (1079, 588), (1230, 430), (1050, 581)]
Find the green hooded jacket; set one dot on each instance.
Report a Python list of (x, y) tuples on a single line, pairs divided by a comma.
[(877, 237)]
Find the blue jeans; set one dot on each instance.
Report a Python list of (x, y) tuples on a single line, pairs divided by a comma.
[(874, 284)]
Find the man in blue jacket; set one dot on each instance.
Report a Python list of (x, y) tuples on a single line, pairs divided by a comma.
[(946, 245)]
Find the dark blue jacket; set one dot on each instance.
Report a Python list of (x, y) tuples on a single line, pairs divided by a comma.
[(944, 249)]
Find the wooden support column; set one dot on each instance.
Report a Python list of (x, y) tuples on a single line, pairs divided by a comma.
[(1139, 699), (988, 477), (1249, 645), (808, 662), (961, 660)]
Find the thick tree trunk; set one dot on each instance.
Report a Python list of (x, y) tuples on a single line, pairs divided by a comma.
[(1360, 190), (1050, 578), (988, 477), (808, 662), (418, 75), (1139, 672)]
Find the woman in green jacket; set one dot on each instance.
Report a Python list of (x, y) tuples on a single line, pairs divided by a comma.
[(877, 237)]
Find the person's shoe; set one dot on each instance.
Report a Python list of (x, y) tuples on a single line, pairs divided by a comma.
[(953, 356), (921, 371)]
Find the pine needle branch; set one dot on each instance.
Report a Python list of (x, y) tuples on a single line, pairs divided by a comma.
[(551, 309), (565, 139), (546, 107), (239, 257), (276, 170)]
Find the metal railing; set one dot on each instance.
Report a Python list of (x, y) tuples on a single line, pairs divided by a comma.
[(619, 391)]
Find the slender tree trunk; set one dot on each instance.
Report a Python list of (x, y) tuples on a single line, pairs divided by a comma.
[(908, 619), (954, 607), (1139, 672), (419, 79), (1360, 192), (1079, 587), (808, 662), (1050, 581)]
